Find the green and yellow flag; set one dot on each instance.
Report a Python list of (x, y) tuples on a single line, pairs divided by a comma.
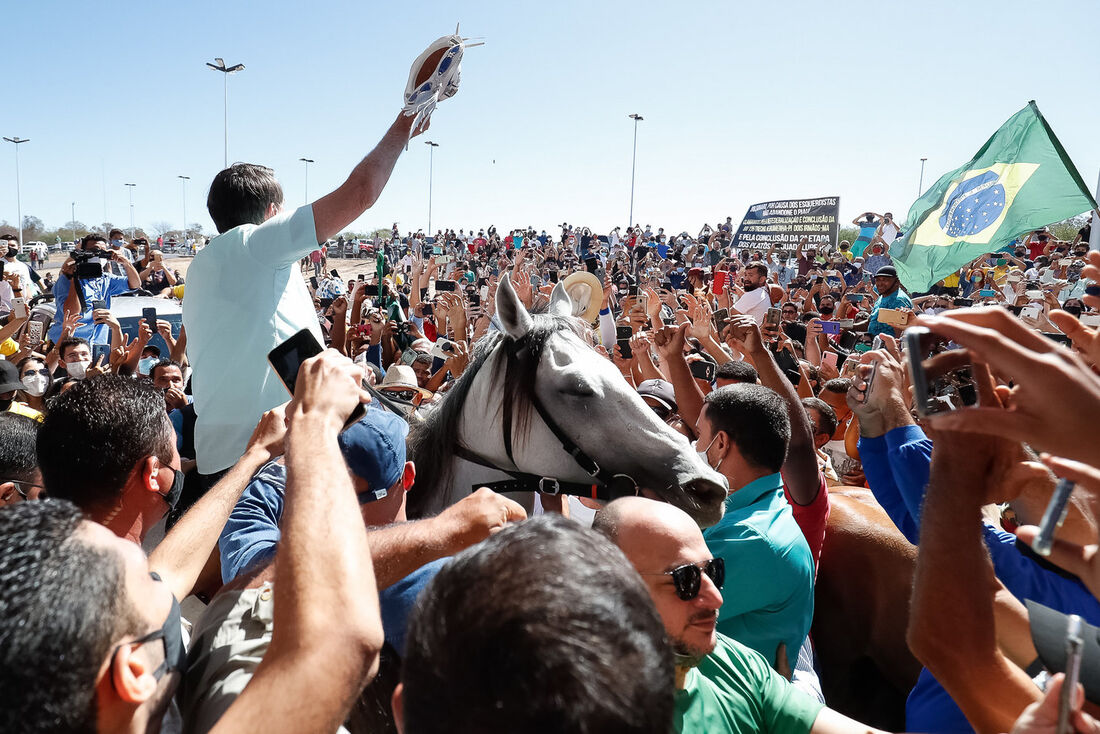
[(1021, 180)]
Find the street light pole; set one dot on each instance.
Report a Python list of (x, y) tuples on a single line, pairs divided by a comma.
[(183, 181), (307, 161), (920, 184), (431, 166), (132, 230), (226, 70), (633, 161), (18, 202), (73, 223)]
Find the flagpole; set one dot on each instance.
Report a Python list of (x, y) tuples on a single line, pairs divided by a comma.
[(1094, 239)]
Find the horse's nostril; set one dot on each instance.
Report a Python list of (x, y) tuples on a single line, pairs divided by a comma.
[(706, 491)]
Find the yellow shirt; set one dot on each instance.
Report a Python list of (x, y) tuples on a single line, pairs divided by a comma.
[(951, 281), (9, 347), (23, 409)]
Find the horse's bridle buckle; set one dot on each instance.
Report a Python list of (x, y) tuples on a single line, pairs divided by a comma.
[(545, 481)]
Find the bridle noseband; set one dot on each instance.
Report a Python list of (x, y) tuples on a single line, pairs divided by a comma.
[(604, 485)]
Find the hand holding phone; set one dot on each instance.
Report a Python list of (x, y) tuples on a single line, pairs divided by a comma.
[(287, 358), (622, 339)]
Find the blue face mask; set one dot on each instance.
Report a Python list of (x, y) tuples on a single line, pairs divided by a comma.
[(145, 365)]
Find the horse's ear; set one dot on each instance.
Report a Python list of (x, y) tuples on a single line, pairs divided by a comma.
[(514, 318), (560, 302)]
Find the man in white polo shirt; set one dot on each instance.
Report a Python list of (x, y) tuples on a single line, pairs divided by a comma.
[(245, 293)]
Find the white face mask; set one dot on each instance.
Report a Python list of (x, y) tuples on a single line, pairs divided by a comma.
[(703, 454), (35, 385), (77, 370)]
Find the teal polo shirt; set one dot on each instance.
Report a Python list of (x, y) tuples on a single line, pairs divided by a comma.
[(769, 590), (895, 300)]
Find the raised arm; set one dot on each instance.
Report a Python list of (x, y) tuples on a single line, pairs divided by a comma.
[(324, 564)]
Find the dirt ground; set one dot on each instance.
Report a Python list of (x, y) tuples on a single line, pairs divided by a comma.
[(348, 268)]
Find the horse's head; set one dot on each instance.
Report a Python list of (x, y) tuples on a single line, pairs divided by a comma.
[(590, 402)]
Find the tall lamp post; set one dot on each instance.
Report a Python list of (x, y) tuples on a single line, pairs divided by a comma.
[(183, 181), (431, 164), (920, 184), (633, 161), (131, 186), (307, 161), (226, 70), (18, 203)]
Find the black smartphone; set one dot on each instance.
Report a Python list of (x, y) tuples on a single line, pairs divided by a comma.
[(1057, 337), (591, 264), (445, 285), (361, 276), (427, 309), (553, 276), (622, 339), (474, 299), (702, 369), (719, 318), (98, 304), (101, 354), (313, 282), (963, 302), (943, 379), (286, 359), (149, 315), (371, 290)]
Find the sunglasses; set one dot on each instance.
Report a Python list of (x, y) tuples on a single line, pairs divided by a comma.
[(44, 372), (688, 579), (409, 396)]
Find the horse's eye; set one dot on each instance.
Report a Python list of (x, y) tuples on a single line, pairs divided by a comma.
[(578, 389)]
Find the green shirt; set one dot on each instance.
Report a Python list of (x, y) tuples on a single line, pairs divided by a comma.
[(769, 590), (735, 690)]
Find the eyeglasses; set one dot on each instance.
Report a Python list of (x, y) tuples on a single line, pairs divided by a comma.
[(688, 578), (409, 396), (24, 488), (44, 372)]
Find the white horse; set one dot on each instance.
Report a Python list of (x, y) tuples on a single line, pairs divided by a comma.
[(539, 410)]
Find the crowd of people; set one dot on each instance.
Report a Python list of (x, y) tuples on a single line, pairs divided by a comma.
[(182, 548)]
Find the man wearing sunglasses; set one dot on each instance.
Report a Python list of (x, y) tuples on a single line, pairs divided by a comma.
[(721, 685)]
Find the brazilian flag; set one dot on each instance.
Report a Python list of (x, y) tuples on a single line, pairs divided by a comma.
[(1021, 180)]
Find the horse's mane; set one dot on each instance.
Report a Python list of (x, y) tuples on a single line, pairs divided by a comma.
[(432, 441)]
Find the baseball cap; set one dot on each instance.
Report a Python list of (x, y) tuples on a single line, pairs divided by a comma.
[(9, 377), (374, 449), (659, 390), (886, 271)]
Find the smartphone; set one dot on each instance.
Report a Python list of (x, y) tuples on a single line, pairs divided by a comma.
[(149, 315), (34, 332), (98, 304), (774, 317), (445, 285), (286, 359), (437, 250), (444, 259), (829, 358), (101, 354), (855, 298), (1001, 262), (893, 317), (622, 338), (943, 379), (1056, 337), (313, 282), (371, 290), (591, 264), (702, 369), (830, 327), (721, 316), (474, 299), (964, 302), (1090, 319), (1074, 647), (361, 276), (1053, 517), (1031, 311), (1092, 290), (987, 293), (19, 308), (442, 349), (848, 340)]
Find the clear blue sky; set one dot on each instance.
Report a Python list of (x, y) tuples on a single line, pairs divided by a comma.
[(744, 102)]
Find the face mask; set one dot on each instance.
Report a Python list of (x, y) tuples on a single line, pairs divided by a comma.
[(933, 311), (12, 252), (77, 370), (145, 364), (703, 454), (175, 653), (826, 310), (35, 385), (5, 404), (172, 497), (116, 243)]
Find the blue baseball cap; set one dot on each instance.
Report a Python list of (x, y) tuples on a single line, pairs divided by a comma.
[(374, 449)]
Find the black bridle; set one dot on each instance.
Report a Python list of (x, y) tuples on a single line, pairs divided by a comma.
[(605, 485)]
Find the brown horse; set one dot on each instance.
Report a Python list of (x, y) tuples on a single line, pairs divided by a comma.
[(861, 610)]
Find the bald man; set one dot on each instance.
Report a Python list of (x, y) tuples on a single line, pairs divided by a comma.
[(722, 686)]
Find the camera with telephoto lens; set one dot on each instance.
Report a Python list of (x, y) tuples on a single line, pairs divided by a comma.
[(89, 263)]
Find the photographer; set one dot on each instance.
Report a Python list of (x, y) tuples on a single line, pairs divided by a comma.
[(81, 267)]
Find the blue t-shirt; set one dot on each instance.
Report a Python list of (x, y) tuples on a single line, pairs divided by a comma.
[(96, 289)]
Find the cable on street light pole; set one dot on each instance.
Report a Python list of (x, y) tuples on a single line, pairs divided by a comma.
[(431, 166), (132, 230), (184, 180), (633, 161), (307, 161), (18, 196), (226, 70)]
